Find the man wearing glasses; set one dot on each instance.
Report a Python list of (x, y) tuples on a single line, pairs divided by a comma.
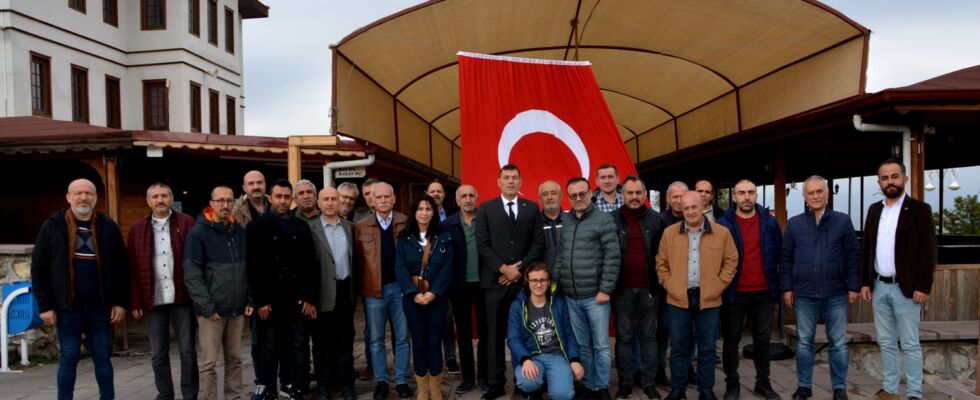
[(587, 270), (214, 272)]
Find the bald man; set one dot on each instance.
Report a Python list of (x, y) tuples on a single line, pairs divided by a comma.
[(253, 203), (80, 278)]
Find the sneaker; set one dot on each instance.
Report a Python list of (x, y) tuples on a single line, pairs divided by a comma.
[(381, 391), (452, 366), (625, 391), (764, 390), (802, 393), (259, 393), (651, 393), (840, 394), (403, 390)]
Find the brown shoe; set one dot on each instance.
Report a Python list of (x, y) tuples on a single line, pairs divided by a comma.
[(883, 395), (435, 386), (422, 386)]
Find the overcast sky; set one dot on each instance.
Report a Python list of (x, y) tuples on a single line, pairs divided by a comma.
[(287, 56)]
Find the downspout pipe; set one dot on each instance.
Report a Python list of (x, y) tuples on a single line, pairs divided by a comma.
[(329, 167), (904, 130)]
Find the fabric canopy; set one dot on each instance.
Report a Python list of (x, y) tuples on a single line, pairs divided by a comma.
[(674, 74)]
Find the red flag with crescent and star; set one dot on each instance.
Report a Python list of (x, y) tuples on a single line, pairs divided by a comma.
[(547, 117)]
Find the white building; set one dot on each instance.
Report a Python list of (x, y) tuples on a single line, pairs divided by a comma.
[(170, 65)]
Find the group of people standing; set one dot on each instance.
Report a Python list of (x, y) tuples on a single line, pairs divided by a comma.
[(544, 282)]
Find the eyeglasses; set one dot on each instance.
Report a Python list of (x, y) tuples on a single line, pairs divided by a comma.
[(223, 201), (539, 281), (579, 195)]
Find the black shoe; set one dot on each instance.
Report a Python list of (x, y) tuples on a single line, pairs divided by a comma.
[(802, 393), (493, 393), (381, 391), (403, 390), (348, 394), (840, 394), (732, 391), (603, 394), (518, 393), (765, 391), (582, 393), (707, 395), (465, 386), (538, 395), (452, 366), (662, 378), (323, 394), (291, 393), (484, 385), (692, 376), (677, 395), (624, 392), (651, 393), (259, 393)]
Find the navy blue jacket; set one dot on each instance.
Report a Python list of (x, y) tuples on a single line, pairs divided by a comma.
[(454, 226), (822, 260), (408, 263), (521, 340), (771, 241)]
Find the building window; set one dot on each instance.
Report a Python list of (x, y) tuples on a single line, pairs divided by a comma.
[(79, 94), (113, 113), (213, 22), (154, 14), (213, 110), (40, 85), (229, 30), (110, 12), (155, 114), (194, 17), (195, 107), (230, 111), (77, 5)]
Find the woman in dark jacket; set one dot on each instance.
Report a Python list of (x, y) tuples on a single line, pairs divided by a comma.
[(423, 266), (539, 335)]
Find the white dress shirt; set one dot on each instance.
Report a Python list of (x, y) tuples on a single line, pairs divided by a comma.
[(885, 245), (513, 207), (163, 263)]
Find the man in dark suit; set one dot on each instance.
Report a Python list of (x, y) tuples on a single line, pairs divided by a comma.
[(333, 333), (898, 257), (508, 237)]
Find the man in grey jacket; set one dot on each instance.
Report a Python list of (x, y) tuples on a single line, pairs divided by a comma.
[(214, 272), (587, 270)]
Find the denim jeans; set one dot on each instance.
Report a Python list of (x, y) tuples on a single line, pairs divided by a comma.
[(757, 307), (897, 319), (158, 323), (590, 322), (428, 324), (93, 321), (552, 368), (636, 327), (380, 310), (833, 309), (705, 324)]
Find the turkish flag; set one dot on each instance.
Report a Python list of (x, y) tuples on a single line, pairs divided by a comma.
[(547, 117)]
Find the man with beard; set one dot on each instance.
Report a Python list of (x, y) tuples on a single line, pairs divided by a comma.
[(304, 192), (636, 300), (549, 192), (214, 272), (438, 193), (898, 258), (80, 279), (754, 289), (156, 251), (282, 273), (253, 202), (348, 197), (464, 290)]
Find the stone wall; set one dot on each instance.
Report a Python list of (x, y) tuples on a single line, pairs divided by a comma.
[(948, 360), (15, 262)]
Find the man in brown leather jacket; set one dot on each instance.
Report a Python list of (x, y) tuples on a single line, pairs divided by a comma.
[(375, 237)]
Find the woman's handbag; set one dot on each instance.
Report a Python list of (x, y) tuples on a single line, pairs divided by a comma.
[(419, 280)]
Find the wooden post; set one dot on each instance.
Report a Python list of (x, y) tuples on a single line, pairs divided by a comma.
[(295, 149), (779, 189), (917, 171), (976, 386)]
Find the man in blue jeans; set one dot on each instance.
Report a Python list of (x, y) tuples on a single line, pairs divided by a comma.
[(375, 236), (588, 271), (696, 261), (819, 275), (80, 279), (897, 262)]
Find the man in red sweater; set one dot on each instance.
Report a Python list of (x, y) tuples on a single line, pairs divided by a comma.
[(156, 252), (754, 289)]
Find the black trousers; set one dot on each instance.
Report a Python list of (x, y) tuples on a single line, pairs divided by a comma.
[(498, 301), (333, 342), (463, 304), (757, 307), (280, 346), (636, 312)]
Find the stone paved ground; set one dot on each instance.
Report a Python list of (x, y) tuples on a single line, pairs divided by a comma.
[(134, 379)]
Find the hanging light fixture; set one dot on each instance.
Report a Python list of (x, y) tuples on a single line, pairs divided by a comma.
[(929, 186), (954, 185)]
